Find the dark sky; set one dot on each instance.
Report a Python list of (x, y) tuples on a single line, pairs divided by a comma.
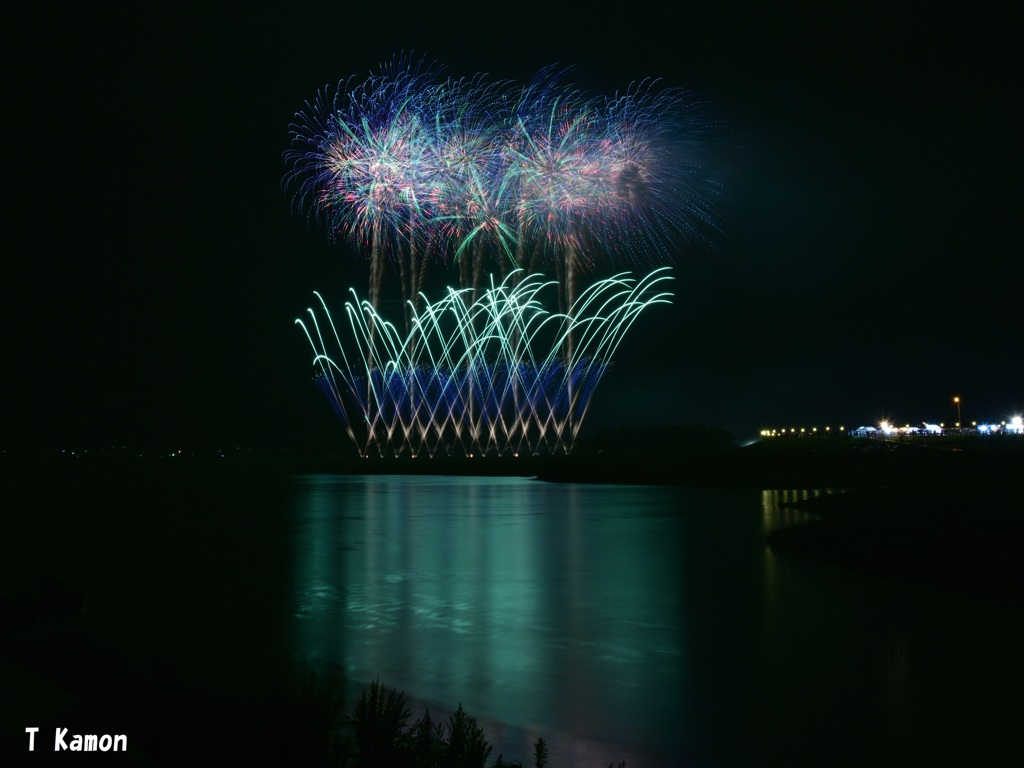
[(869, 263)]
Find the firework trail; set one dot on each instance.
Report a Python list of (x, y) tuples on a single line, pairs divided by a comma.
[(478, 377), (359, 161)]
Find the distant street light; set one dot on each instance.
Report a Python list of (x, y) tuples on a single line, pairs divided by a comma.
[(957, 401)]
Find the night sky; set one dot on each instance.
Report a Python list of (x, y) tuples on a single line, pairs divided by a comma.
[(869, 262)]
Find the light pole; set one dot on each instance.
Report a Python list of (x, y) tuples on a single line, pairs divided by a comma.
[(957, 401)]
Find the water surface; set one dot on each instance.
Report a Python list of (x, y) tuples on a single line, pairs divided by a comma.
[(643, 624)]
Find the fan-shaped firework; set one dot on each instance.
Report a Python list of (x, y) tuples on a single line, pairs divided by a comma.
[(475, 377)]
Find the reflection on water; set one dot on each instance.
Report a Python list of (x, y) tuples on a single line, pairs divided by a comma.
[(897, 679), (650, 625), (529, 603), (777, 509)]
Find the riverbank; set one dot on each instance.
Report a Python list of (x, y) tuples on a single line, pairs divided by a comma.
[(769, 464), (807, 468)]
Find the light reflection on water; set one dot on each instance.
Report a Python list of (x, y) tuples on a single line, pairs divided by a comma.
[(646, 624), (777, 509), (531, 604)]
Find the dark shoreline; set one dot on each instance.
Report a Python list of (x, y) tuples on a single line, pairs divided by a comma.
[(810, 464)]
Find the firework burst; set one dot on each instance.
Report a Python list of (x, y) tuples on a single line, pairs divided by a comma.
[(360, 162), (412, 169)]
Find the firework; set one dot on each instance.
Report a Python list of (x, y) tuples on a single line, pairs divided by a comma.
[(659, 186), (475, 377), (468, 209), (412, 169), (361, 161)]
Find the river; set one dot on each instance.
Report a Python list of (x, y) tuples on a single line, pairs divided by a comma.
[(650, 625)]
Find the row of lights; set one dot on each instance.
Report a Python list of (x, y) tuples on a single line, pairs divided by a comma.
[(801, 431), (1015, 425)]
